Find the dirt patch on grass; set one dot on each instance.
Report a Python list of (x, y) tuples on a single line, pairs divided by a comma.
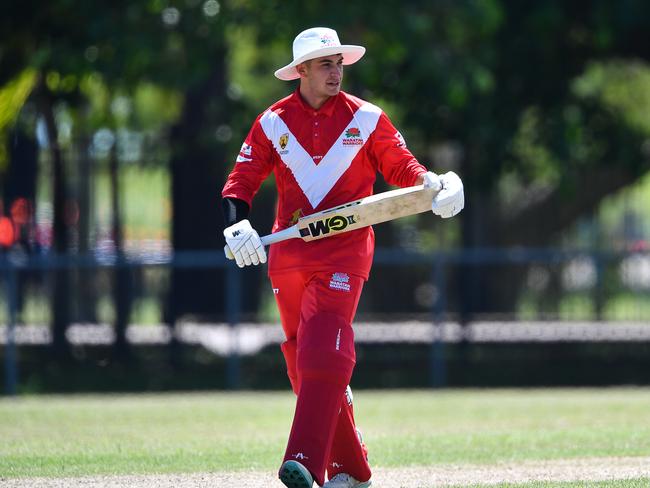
[(590, 469)]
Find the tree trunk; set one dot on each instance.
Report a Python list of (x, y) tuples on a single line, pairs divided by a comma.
[(85, 276), (60, 307), (198, 167), (494, 288), (122, 285), (19, 189)]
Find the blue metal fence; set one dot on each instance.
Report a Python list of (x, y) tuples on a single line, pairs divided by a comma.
[(438, 264)]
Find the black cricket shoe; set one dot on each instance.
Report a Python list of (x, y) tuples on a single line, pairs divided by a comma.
[(295, 475)]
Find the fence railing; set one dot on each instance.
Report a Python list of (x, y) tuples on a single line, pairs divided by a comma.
[(600, 285)]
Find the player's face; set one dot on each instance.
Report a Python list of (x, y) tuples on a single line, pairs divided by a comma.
[(322, 77)]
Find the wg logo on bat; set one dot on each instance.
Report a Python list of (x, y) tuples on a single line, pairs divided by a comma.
[(324, 226)]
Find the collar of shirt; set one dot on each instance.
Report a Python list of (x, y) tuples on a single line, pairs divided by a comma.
[(327, 109)]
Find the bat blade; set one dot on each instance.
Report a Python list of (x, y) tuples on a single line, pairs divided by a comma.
[(371, 210)]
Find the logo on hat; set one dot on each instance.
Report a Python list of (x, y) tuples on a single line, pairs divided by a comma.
[(314, 43), (327, 40)]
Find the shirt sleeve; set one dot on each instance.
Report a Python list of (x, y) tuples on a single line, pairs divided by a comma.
[(395, 162), (252, 166)]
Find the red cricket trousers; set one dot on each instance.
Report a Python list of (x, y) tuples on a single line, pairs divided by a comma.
[(317, 309)]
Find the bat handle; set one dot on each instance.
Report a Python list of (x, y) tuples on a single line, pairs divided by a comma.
[(282, 235), (267, 240)]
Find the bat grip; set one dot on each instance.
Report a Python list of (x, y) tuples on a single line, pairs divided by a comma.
[(283, 235)]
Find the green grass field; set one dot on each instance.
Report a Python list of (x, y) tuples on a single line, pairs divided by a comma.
[(67, 436)]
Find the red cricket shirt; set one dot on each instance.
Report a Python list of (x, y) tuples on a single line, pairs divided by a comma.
[(320, 159)]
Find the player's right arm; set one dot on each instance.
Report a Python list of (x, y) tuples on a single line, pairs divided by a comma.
[(252, 166)]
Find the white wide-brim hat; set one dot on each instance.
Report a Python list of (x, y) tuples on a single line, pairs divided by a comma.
[(315, 43)]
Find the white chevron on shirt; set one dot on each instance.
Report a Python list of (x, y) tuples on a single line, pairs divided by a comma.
[(316, 180)]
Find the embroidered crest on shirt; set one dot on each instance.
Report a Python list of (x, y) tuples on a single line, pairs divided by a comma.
[(282, 142), (340, 281), (352, 137)]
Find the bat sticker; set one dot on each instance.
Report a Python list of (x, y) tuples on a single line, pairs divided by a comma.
[(337, 223)]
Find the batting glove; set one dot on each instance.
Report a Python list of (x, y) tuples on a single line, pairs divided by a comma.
[(244, 244), (432, 180), (228, 252), (450, 200)]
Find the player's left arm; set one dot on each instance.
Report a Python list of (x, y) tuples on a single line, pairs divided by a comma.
[(394, 160), (400, 167)]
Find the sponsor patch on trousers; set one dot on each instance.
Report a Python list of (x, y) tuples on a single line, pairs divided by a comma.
[(340, 281)]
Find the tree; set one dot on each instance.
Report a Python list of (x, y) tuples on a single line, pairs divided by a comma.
[(488, 89), (515, 97)]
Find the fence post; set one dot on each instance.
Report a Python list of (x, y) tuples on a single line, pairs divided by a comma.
[(233, 310), (599, 290), (11, 366), (437, 365)]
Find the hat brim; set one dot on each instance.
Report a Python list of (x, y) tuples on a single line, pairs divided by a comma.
[(351, 54)]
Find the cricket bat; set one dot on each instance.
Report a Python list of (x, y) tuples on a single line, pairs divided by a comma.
[(371, 210)]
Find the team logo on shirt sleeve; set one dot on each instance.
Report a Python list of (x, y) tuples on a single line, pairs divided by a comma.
[(245, 153), (401, 142)]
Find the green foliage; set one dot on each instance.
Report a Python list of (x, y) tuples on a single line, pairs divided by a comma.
[(144, 198), (622, 87), (534, 102), (622, 213), (12, 98), (517, 88), (528, 146), (156, 108)]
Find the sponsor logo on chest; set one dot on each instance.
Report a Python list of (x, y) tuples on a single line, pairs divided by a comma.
[(352, 137)]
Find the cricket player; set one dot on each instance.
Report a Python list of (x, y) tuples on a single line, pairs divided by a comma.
[(325, 148)]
